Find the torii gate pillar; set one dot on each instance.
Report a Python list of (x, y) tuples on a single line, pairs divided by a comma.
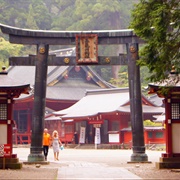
[(39, 104), (136, 105)]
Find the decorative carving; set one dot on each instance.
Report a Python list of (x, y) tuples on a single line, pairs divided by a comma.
[(132, 49), (107, 60), (42, 50), (66, 60)]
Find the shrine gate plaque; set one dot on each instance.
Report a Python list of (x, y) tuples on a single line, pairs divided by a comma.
[(86, 48)]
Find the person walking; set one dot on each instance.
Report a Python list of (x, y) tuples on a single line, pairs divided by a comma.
[(46, 143), (56, 143)]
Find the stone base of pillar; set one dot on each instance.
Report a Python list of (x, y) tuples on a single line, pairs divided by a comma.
[(168, 163), (139, 158), (36, 158)]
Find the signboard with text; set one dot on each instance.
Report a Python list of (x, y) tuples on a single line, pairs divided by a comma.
[(5, 150), (86, 48), (95, 121), (97, 136), (82, 135)]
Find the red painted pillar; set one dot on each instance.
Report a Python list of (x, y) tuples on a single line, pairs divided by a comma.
[(9, 122), (168, 127)]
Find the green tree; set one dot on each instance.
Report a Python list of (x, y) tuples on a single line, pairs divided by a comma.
[(97, 14), (7, 50), (13, 13), (41, 14), (150, 123), (31, 23), (62, 13), (122, 80), (158, 23), (69, 15)]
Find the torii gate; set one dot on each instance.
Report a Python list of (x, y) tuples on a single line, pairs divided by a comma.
[(86, 54)]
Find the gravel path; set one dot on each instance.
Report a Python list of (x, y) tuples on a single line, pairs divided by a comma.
[(112, 158), (30, 172), (145, 171)]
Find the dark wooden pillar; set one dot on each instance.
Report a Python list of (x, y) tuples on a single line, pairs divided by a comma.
[(135, 105), (39, 104)]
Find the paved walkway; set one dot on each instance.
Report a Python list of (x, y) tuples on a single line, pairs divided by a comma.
[(85, 170), (90, 164)]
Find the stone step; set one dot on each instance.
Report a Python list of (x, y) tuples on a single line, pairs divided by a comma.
[(9, 160), (169, 159), (10, 163), (168, 165), (99, 146)]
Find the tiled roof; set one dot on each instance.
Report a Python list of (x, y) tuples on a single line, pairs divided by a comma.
[(22, 73), (12, 87), (7, 81), (145, 109), (73, 88), (156, 100), (96, 101), (173, 80), (65, 93), (102, 101)]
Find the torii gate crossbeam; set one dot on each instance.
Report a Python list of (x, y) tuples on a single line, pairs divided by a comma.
[(42, 39)]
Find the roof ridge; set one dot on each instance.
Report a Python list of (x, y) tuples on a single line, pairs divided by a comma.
[(103, 91)]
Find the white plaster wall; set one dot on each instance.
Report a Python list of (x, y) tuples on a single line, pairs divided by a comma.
[(176, 137), (3, 133)]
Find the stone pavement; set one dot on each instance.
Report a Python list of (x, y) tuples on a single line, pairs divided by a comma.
[(89, 171), (89, 164)]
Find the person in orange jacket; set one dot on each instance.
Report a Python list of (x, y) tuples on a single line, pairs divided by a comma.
[(46, 142)]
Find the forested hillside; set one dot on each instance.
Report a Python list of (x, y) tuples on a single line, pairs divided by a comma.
[(65, 15)]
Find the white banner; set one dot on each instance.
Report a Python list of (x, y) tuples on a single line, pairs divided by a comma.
[(97, 136), (82, 135)]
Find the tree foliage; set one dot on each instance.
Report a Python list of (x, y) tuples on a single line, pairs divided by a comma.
[(122, 80), (150, 123), (69, 15), (7, 50), (158, 23)]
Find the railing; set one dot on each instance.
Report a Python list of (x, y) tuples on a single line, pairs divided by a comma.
[(155, 145), (21, 138)]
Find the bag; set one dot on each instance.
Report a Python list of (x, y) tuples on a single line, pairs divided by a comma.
[(61, 147)]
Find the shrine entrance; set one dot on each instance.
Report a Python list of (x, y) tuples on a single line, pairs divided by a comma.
[(86, 43)]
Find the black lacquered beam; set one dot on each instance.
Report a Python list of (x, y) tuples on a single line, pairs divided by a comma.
[(30, 36), (67, 61)]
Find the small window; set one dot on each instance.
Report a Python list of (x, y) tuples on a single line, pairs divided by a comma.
[(175, 111), (69, 128), (159, 134), (115, 126), (150, 134), (3, 111)]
